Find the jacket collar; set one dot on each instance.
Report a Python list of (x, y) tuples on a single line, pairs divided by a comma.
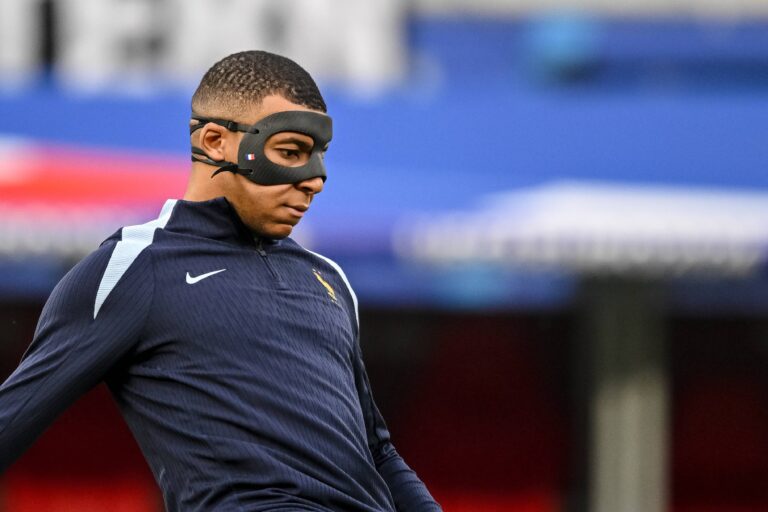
[(215, 219)]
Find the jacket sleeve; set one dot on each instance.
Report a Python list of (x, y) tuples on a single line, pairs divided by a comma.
[(73, 348), (409, 493)]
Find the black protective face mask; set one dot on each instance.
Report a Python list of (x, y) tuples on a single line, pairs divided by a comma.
[(251, 160)]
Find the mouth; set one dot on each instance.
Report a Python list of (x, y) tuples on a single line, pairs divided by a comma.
[(297, 210)]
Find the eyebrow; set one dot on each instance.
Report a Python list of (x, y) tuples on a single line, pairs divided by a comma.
[(301, 142)]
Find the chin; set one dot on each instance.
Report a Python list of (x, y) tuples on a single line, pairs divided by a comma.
[(278, 232)]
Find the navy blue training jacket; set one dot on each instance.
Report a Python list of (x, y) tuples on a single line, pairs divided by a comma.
[(235, 362)]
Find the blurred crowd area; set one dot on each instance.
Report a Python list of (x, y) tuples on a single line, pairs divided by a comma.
[(554, 213)]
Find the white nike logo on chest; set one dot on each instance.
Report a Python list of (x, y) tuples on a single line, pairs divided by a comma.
[(193, 280)]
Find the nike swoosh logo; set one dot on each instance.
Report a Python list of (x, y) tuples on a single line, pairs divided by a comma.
[(197, 279)]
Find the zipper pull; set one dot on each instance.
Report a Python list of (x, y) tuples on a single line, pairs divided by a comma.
[(260, 246)]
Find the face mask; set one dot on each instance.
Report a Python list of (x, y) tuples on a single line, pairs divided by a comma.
[(251, 160)]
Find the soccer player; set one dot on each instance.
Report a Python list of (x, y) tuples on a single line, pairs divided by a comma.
[(231, 350)]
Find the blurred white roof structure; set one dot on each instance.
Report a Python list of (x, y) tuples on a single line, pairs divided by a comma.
[(600, 228)]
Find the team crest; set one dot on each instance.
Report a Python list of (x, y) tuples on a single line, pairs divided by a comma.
[(328, 287)]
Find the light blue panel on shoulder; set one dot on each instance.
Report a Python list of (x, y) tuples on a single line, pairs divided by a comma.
[(134, 240)]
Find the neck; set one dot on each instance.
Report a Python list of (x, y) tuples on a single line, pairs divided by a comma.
[(200, 186)]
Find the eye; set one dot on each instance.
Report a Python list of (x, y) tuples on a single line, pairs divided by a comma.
[(288, 151), (289, 154)]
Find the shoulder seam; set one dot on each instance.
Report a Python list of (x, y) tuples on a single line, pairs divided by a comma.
[(134, 239)]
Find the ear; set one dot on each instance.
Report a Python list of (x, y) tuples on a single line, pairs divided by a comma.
[(214, 140)]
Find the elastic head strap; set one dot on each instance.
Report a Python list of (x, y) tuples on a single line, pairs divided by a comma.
[(229, 125), (224, 166), (202, 156), (198, 155)]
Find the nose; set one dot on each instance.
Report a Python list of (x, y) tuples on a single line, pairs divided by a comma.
[(311, 186)]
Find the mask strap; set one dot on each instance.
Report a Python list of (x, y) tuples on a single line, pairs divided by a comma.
[(224, 166), (205, 158), (229, 125), (231, 168)]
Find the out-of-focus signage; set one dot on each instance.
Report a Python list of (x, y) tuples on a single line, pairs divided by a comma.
[(143, 45)]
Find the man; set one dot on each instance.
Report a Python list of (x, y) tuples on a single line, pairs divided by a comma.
[(231, 350)]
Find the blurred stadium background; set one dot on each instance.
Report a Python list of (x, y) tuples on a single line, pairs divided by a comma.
[(555, 214)]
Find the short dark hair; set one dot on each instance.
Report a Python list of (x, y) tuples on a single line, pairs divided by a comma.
[(239, 81)]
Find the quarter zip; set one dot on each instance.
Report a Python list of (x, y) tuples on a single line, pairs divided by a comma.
[(276, 279)]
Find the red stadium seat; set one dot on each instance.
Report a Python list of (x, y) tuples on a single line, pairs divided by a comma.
[(487, 431)]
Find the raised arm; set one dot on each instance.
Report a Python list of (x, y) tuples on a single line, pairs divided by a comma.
[(76, 342)]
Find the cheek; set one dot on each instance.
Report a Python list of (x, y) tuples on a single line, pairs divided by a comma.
[(252, 208), (256, 207), (259, 206)]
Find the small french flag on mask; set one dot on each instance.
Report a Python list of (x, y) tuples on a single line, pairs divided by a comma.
[(250, 156)]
